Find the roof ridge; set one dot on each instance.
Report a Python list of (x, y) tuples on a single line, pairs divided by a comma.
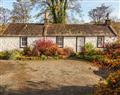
[(60, 29), (57, 24)]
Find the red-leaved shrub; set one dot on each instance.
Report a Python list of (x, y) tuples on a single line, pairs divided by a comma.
[(68, 51), (112, 50), (46, 47)]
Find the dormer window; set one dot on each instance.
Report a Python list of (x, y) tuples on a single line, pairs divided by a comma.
[(23, 42)]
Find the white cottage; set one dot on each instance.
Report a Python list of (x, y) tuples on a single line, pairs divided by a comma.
[(17, 35)]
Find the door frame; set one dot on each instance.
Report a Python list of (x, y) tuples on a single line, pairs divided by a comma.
[(77, 42)]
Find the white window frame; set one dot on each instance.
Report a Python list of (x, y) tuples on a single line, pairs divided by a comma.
[(59, 41), (23, 42), (102, 42)]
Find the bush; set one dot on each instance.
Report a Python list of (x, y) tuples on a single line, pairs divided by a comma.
[(43, 57), (16, 55), (60, 51), (113, 80), (51, 51), (106, 58), (5, 55), (68, 51), (89, 47), (45, 47), (112, 50), (48, 48), (27, 51), (56, 57), (111, 86), (92, 52)]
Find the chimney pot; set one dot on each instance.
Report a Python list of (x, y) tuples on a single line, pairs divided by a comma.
[(107, 22)]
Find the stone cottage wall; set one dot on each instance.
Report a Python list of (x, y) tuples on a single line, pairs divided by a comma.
[(10, 43)]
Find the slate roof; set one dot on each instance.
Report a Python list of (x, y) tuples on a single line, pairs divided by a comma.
[(20, 29)]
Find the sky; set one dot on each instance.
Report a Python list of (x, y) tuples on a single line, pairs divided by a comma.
[(86, 5)]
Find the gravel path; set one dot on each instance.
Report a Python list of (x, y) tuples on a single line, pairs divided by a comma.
[(58, 77)]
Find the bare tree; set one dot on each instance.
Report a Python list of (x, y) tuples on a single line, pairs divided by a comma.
[(4, 15), (21, 11), (99, 14), (57, 9)]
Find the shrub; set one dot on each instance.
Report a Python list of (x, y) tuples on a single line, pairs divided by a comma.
[(92, 52), (68, 51), (80, 55), (106, 58), (27, 51), (1, 55), (89, 58), (89, 47), (111, 86), (5, 55), (35, 51), (16, 55), (51, 51), (112, 50), (43, 57), (60, 51), (45, 47), (48, 48), (56, 57), (113, 80)]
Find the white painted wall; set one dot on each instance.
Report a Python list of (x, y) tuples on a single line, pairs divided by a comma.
[(110, 39), (92, 40), (70, 42), (31, 40), (9, 43), (52, 38)]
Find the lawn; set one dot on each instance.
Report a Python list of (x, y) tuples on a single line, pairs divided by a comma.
[(51, 77)]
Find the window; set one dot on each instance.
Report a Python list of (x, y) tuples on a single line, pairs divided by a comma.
[(23, 42), (59, 41), (100, 42)]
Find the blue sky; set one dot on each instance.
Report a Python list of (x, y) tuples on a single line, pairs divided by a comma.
[(86, 5)]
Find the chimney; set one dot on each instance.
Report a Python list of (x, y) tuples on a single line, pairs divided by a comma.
[(107, 22), (46, 21)]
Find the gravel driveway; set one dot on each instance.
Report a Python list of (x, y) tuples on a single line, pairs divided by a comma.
[(52, 77)]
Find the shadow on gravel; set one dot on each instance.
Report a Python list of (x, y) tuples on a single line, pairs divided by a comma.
[(103, 72), (33, 89)]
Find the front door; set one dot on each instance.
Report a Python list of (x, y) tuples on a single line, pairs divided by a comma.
[(80, 43)]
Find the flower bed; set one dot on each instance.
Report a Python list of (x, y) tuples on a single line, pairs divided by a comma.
[(109, 57), (43, 50), (111, 86)]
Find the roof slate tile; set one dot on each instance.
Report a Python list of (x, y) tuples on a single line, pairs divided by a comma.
[(20, 29)]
